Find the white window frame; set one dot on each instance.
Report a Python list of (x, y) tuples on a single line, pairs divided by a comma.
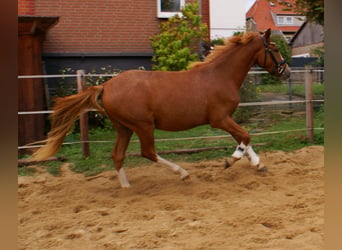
[(284, 20), (289, 20), (281, 20), (165, 14)]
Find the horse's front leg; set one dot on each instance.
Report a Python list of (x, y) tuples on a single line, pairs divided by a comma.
[(243, 150), (254, 159), (243, 138), (239, 152)]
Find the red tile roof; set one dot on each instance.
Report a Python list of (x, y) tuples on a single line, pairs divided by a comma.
[(261, 14), (279, 8)]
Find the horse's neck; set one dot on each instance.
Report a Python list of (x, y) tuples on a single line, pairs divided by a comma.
[(234, 66)]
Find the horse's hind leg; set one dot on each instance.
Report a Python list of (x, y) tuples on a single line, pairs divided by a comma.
[(174, 167), (146, 138), (123, 135)]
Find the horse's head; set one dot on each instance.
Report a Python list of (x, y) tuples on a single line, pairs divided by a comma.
[(271, 59)]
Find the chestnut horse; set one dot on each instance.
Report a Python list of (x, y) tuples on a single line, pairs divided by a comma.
[(141, 101)]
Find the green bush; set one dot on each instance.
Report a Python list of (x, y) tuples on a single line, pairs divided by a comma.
[(319, 52), (174, 47), (217, 41)]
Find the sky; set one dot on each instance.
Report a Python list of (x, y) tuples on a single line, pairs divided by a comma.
[(227, 17), (248, 3)]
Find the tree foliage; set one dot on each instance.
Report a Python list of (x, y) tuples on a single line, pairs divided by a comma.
[(283, 46), (175, 46), (319, 52)]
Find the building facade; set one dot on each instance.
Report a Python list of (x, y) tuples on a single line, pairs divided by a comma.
[(307, 38), (92, 34), (276, 15)]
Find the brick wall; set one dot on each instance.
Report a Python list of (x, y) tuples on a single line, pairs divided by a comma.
[(26, 7), (205, 14), (99, 25)]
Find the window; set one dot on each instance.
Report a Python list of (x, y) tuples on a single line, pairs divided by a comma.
[(169, 8), (289, 20), (280, 20), (283, 20)]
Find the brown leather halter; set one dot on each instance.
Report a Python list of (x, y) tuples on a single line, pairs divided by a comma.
[(278, 66)]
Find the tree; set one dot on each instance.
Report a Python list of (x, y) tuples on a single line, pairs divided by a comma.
[(175, 46)]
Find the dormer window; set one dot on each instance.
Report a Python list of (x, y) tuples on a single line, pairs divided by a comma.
[(284, 20), (272, 4), (169, 8)]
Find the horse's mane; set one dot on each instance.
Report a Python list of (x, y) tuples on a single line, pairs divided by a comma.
[(229, 44)]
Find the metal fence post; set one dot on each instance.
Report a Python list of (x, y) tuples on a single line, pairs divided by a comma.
[(83, 117), (309, 103)]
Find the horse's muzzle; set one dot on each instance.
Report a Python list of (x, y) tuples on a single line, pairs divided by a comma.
[(285, 72)]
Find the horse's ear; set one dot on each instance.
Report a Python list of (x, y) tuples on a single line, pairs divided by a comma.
[(267, 34)]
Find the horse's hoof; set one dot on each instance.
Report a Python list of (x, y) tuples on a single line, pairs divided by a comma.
[(185, 177), (125, 186), (262, 169), (227, 165), (230, 161)]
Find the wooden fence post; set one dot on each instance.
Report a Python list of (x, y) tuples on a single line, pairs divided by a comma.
[(83, 117), (290, 92), (309, 103)]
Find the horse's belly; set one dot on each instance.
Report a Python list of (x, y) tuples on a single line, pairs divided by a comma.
[(176, 126), (177, 121)]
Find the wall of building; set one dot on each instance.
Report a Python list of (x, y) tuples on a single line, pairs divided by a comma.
[(95, 33), (26, 7), (309, 36), (305, 50), (99, 26)]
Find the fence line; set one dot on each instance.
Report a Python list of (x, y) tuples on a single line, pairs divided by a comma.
[(218, 137), (62, 76), (244, 104), (115, 74), (81, 77), (35, 112)]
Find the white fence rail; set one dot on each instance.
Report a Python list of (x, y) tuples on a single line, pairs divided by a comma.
[(115, 74)]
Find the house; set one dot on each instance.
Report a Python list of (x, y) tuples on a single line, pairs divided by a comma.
[(277, 15), (92, 34), (309, 36)]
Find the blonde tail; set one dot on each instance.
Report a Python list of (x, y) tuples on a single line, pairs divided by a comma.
[(66, 112)]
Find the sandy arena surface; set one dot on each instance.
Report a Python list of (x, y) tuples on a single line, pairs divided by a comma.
[(234, 208)]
